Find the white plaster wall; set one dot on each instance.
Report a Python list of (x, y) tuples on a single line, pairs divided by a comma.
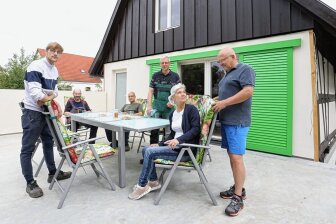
[(303, 142), (138, 73), (10, 113)]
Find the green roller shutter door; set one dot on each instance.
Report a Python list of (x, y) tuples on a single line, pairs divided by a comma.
[(271, 129)]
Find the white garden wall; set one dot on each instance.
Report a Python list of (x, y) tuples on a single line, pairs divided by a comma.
[(10, 113)]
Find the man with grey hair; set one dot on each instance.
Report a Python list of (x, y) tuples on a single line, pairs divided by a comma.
[(159, 87), (78, 105), (40, 82), (234, 107)]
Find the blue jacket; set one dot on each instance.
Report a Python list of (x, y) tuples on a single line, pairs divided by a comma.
[(190, 125)]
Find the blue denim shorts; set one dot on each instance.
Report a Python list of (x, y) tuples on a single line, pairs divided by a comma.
[(234, 138)]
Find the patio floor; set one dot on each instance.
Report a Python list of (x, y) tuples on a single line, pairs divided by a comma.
[(279, 190)]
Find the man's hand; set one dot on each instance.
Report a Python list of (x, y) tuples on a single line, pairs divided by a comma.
[(46, 98), (219, 105), (148, 111), (154, 145), (40, 103), (169, 105), (67, 114), (172, 143)]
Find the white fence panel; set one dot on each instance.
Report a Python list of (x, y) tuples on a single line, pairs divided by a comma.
[(10, 113)]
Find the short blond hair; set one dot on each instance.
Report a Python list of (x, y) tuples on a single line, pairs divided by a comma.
[(55, 46)]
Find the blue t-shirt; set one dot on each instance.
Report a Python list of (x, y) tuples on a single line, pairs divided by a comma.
[(234, 81)]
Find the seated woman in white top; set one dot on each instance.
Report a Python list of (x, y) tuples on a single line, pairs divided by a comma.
[(185, 128)]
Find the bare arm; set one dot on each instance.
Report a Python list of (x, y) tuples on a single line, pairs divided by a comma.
[(149, 99), (241, 96)]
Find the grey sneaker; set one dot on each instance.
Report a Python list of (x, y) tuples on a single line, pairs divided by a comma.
[(155, 185), (61, 176), (139, 192), (34, 190), (229, 193), (235, 206)]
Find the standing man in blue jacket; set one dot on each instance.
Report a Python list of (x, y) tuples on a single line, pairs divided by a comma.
[(40, 82), (234, 106)]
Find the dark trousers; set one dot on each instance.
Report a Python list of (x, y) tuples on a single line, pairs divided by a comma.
[(154, 136), (93, 130), (34, 126), (109, 136)]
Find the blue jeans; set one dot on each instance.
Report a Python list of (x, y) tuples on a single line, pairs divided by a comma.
[(152, 153), (34, 125)]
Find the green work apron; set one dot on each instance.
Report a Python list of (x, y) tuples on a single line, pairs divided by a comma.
[(161, 100)]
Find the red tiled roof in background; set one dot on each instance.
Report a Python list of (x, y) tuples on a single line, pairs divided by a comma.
[(73, 67)]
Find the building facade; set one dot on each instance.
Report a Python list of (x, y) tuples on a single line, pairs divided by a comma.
[(285, 41)]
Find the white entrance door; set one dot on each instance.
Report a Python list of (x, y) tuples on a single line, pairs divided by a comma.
[(120, 90)]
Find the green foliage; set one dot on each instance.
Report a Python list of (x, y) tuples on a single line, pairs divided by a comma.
[(12, 75), (99, 87), (62, 85)]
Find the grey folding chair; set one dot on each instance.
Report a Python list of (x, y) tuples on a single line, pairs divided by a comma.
[(77, 154), (208, 120), (38, 142)]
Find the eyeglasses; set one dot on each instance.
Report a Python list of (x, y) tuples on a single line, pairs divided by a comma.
[(223, 59), (165, 62), (53, 51)]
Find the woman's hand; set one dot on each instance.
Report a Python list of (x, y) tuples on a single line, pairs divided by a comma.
[(172, 143), (153, 145)]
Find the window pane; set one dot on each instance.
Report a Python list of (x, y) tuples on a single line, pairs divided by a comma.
[(175, 16), (193, 78), (217, 72), (162, 14)]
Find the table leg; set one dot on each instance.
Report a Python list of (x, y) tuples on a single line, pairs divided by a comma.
[(73, 125), (114, 139), (121, 158)]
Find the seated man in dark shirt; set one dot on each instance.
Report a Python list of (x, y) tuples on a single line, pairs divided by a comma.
[(78, 105), (132, 107)]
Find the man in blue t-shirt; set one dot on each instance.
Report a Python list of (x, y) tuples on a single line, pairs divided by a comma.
[(234, 106)]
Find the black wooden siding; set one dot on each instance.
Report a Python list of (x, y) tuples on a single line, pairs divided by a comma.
[(203, 23)]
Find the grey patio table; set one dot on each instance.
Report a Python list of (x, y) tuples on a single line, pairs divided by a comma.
[(108, 121)]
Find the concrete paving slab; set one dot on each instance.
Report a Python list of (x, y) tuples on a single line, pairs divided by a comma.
[(279, 190)]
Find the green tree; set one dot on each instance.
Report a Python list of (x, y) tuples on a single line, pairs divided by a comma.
[(12, 74)]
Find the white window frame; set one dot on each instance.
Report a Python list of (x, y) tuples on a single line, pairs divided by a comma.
[(207, 71), (169, 16)]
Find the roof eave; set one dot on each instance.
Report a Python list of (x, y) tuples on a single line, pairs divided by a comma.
[(98, 63)]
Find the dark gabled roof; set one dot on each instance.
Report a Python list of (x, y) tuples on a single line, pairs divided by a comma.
[(321, 12), (316, 15), (324, 26), (97, 66)]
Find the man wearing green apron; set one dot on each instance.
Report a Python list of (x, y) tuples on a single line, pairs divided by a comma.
[(160, 86)]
